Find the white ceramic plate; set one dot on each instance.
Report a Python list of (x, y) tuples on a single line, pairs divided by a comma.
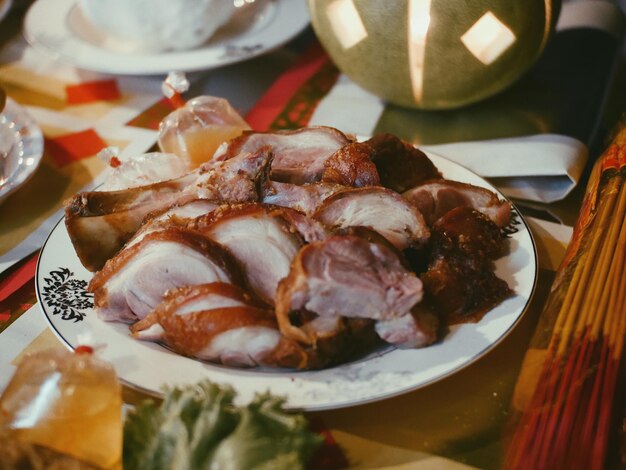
[(21, 148), (61, 282), (58, 28)]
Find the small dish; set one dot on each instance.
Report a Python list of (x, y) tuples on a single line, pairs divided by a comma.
[(21, 148), (58, 28)]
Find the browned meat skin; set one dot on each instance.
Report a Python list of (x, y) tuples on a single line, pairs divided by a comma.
[(99, 222), (352, 166), (299, 155), (221, 323), (133, 282), (352, 338), (462, 290), (400, 165), (342, 277), (460, 281), (193, 298), (470, 232), (193, 324), (262, 238), (190, 334), (435, 198), (380, 209)]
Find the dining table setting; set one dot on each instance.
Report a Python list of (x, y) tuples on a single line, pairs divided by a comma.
[(312, 234)]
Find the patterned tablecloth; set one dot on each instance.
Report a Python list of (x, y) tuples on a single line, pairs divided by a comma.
[(458, 422)]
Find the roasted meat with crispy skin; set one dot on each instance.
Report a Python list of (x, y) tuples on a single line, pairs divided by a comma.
[(178, 215), (133, 282), (345, 278), (263, 239), (460, 281), (400, 165), (470, 232), (462, 291), (298, 248), (100, 222), (198, 297), (299, 155), (380, 209), (352, 166), (435, 198), (220, 323)]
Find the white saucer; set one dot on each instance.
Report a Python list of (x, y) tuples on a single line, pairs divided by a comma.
[(58, 28), (21, 148)]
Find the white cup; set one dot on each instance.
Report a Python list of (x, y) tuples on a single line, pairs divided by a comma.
[(157, 25)]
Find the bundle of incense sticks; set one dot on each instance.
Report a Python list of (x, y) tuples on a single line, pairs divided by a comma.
[(571, 382)]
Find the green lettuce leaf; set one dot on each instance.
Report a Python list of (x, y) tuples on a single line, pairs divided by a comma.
[(182, 432), (199, 427), (267, 438)]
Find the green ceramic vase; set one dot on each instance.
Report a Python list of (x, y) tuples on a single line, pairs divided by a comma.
[(434, 54)]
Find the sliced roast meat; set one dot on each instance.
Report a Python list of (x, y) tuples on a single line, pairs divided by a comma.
[(400, 165), (178, 215), (416, 330), (380, 209), (290, 249), (220, 323), (99, 223), (235, 336), (309, 229), (261, 238), (154, 196), (235, 180), (435, 198), (191, 299), (299, 155), (370, 235), (133, 282), (352, 166), (304, 198), (184, 212), (343, 277)]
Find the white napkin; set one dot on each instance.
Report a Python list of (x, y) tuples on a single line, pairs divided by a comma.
[(543, 167)]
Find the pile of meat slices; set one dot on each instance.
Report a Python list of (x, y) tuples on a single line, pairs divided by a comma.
[(299, 249)]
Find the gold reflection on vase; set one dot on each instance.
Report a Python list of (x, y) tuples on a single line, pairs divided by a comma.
[(488, 38), (346, 23), (419, 22)]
